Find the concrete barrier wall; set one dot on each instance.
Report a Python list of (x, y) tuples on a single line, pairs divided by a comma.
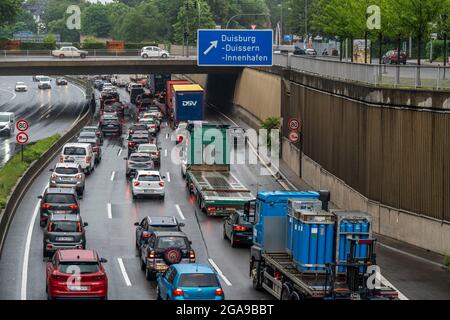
[(259, 93)]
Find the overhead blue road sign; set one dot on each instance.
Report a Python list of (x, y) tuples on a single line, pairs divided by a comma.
[(234, 48)]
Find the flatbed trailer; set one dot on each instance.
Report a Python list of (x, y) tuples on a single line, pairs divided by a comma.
[(218, 193)]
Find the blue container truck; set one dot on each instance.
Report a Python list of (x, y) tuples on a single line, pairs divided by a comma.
[(274, 261), (188, 102)]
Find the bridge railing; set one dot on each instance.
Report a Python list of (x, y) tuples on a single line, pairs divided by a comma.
[(397, 76)]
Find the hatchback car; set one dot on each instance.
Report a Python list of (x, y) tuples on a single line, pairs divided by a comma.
[(148, 183), (60, 81), (91, 279), (391, 57), (189, 282), (58, 201), (153, 150), (44, 83), (95, 129), (138, 161), (64, 231), (151, 123), (163, 249), (110, 124), (149, 225), (154, 52), (137, 127), (68, 175), (238, 227)]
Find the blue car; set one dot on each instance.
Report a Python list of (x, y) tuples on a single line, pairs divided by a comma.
[(189, 282)]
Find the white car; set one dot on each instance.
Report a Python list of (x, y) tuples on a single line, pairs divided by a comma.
[(148, 183), (81, 153), (69, 52), (151, 124), (44, 83), (20, 87), (7, 123), (154, 52)]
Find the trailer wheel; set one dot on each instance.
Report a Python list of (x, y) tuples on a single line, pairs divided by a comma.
[(286, 292), (296, 296), (256, 277)]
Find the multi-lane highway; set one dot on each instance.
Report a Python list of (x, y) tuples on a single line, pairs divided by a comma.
[(47, 111), (109, 209)]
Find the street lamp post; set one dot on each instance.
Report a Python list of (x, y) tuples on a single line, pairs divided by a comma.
[(444, 19)]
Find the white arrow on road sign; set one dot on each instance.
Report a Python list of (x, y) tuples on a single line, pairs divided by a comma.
[(213, 45)]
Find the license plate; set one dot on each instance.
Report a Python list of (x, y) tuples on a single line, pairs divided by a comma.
[(110, 126), (77, 288), (64, 239), (60, 211)]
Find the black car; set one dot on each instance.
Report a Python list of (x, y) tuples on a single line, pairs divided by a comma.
[(299, 51), (110, 124), (149, 225), (137, 127), (58, 201), (135, 92), (135, 140), (64, 231), (61, 81), (238, 227), (163, 249)]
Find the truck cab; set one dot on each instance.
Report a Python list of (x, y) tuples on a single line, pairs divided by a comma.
[(7, 123)]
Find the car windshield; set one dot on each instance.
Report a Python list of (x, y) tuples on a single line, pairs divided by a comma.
[(64, 226), (78, 267), (87, 134), (172, 242), (196, 280), (61, 170), (149, 178), (140, 159), (182, 126), (4, 118), (74, 151), (60, 198), (44, 79)]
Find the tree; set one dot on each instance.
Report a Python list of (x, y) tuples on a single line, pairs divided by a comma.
[(222, 10), (9, 9), (95, 21), (190, 18)]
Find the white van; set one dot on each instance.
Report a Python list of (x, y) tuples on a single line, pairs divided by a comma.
[(7, 123), (80, 153)]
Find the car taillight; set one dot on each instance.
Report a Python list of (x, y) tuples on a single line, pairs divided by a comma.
[(191, 254), (178, 292), (239, 228), (95, 149), (50, 227), (136, 183), (151, 254), (88, 159), (161, 184), (78, 227), (131, 144), (180, 138), (54, 176), (211, 208), (46, 206), (73, 206), (78, 176), (61, 158), (157, 154), (219, 292)]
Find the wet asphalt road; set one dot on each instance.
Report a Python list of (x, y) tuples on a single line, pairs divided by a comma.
[(47, 111), (113, 237)]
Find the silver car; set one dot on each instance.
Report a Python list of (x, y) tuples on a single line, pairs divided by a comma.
[(148, 183), (68, 175), (138, 161)]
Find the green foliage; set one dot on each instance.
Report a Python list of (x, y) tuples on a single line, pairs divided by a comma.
[(438, 50), (15, 168), (9, 9), (95, 21), (270, 124), (447, 261), (37, 46), (91, 43)]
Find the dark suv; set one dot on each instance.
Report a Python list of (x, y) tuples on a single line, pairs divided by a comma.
[(163, 249), (110, 124), (58, 201), (135, 140), (149, 225), (64, 231)]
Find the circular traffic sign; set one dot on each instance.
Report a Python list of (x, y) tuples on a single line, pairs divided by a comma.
[(294, 137), (294, 124), (22, 125), (22, 138)]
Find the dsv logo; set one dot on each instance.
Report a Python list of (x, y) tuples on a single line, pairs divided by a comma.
[(190, 103)]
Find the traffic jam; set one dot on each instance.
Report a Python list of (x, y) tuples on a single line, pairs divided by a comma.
[(296, 247)]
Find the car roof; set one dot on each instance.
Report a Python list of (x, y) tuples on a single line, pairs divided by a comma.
[(170, 221), (193, 268), (61, 190), (139, 135), (139, 154), (77, 255), (147, 144), (90, 128), (65, 217), (67, 165), (170, 234), (148, 172), (82, 145)]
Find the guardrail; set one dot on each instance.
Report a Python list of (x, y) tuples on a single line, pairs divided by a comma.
[(24, 183), (379, 75)]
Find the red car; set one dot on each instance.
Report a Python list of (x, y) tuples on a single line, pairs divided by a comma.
[(391, 57), (76, 274)]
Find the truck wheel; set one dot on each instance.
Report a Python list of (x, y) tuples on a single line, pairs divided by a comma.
[(286, 292), (143, 266), (256, 277), (295, 296), (149, 275)]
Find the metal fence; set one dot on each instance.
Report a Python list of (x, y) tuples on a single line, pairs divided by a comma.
[(398, 76)]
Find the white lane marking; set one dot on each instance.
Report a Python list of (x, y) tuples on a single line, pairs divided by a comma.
[(124, 272), (411, 255), (168, 176), (112, 175), (180, 213), (120, 152), (165, 153), (384, 281), (108, 207), (219, 272), (167, 136), (26, 253)]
